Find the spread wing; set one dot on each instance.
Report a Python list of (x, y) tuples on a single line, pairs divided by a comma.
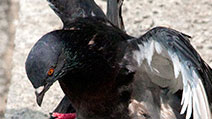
[(170, 61)]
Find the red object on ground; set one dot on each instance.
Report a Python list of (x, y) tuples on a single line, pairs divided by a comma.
[(64, 116)]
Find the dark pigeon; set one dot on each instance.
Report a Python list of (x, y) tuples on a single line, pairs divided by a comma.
[(108, 74)]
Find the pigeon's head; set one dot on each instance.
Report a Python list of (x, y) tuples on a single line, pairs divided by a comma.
[(43, 65)]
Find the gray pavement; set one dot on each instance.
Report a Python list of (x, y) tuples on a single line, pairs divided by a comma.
[(36, 19), (4, 43)]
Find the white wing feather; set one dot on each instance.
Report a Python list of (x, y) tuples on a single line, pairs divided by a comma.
[(194, 95)]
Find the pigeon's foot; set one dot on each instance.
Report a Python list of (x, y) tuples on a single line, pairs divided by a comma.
[(56, 115)]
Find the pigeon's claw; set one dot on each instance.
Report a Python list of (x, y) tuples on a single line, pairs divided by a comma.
[(63, 116)]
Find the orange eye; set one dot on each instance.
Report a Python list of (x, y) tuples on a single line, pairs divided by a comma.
[(51, 71)]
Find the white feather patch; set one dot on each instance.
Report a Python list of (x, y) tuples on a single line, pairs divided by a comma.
[(93, 14), (158, 48), (147, 50), (176, 64), (200, 101)]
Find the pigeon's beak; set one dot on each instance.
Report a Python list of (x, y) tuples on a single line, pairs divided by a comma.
[(43, 88), (40, 92)]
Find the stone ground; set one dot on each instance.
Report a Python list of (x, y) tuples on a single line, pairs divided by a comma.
[(36, 18)]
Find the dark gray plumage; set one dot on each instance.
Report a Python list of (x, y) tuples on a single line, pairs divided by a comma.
[(107, 74), (89, 40), (68, 10)]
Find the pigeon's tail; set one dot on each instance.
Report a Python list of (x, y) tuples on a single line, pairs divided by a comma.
[(68, 10)]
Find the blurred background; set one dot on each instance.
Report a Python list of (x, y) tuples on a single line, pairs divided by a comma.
[(23, 22), (8, 19)]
